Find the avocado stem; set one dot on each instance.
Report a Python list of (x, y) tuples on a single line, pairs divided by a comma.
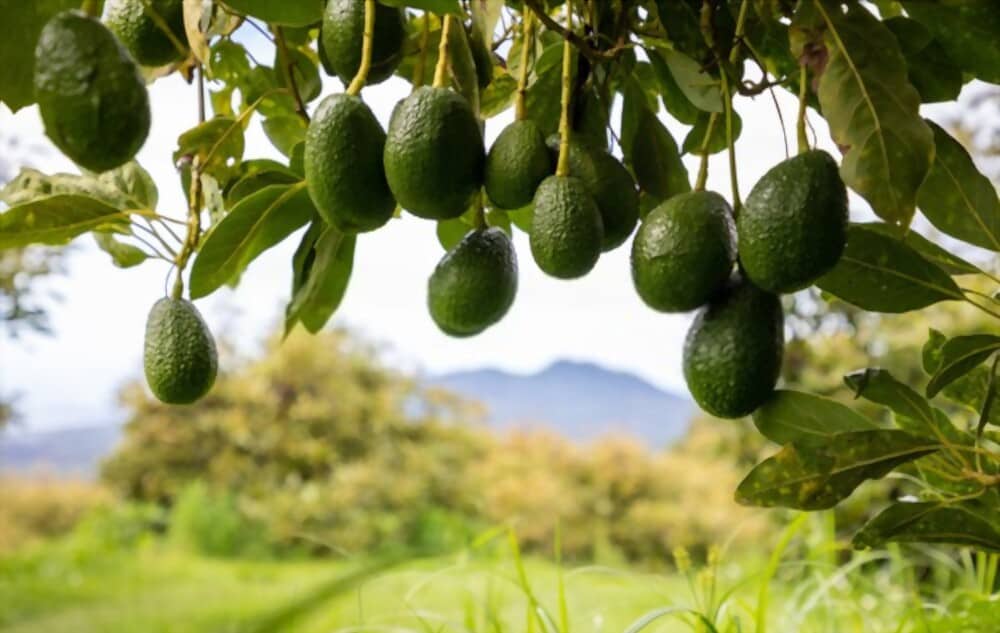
[(562, 168), (727, 102), (361, 78), (425, 37), (441, 71), (699, 184), (93, 8), (527, 43), (800, 124)]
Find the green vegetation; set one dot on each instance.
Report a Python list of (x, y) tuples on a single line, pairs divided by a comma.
[(341, 36), (793, 227), (179, 357), (152, 30), (566, 228), (474, 284), (518, 161), (90, 94)]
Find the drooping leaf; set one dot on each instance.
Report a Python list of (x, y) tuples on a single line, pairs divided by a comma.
[(959, 356), (969, 31), (218, 144), (56, 220), (451, 232), (127, 188), (948, 261), (883, 274), (123, 254), (23, 21), (700, 88), (794, 416), (674, 99), (957, 198), (819, 476), (972, 522), (656, 160), (325, 282), (285, 132), (931, 71), (257, 223), (285, 12), (873, 112), (695, 139)]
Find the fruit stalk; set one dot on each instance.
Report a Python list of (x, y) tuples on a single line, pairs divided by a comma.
[(800, 124), (366, 51), (425, 37), (562, 168), (93, 8), (441, 72), (194, 203), (699, 184), (527, 42), (728, 94)]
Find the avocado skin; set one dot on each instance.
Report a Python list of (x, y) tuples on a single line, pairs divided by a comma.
[(130, 20), (474, 284), (611, 185), (180, 359), (342, 32), (566, 228), (90, 94), (793, 227), (684, 251), (343, 165), (434, 154), (732, 354), (516, 164)]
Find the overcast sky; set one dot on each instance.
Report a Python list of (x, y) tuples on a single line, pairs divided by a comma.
[(72, 378)]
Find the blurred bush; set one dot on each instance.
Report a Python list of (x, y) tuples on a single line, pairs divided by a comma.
[(38, 508)]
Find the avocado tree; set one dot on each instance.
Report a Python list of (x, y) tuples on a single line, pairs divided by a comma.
[(577, 173)]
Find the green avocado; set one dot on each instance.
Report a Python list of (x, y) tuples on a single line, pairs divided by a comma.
[(90, 94), (732, 354), (179, 357), (684, 251), (609, 182), (434, 154), (474, 284), (793, 227), (143, 34), (342, 34), (343, 165), (517, 163), (566, 228)]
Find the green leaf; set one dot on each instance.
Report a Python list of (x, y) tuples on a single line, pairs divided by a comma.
[(681, 21), (498, 96), (794, 416), (134, 183), (986, 411), (285, 12), (440, 7), (257, 223), (127, 188), (971, 522), (463, 67), (23, 20), (817, 477), (325, 281), (883, 274), (959, 356), (948, 261), (957, 198), (674, 99), (873, 111), (969, 31), (285, 132), (700, 88), (969, 391), (56, 220), (935, 76), (305, 69), (655, 159), (123, 255), (218, 144), (451, 232), (695, 139)]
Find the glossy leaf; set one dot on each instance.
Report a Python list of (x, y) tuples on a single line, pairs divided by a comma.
[(948, 261), (973, 523), (674, 99), (969, 31), (817, 477), (931, 71), (23, 22), (285, 12), (127, 188), (969, 391), (959, 356), (794, 416), (656, 160), (883, 274), (56, 220), (218, 143), (324, 282), (700, 88)]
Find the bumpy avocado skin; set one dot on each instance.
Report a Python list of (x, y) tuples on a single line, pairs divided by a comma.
[(90, 94), (732, 354), (793, 227), (475, 283), (342, 32), (566, 228), (180, 358), (132, 22), (516, 164), (343, 165), (684, 251), (434, 154)]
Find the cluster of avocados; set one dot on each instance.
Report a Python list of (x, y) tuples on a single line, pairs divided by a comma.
[(792, 230)]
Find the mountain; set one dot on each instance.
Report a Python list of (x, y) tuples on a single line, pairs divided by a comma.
[(579, 400), (68, 452)]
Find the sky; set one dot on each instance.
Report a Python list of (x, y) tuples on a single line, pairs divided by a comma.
[(72, 378)]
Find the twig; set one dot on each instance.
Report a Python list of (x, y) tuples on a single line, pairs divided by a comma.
[(300, 106)]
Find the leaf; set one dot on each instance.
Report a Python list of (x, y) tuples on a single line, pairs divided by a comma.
[(794, 416), (695, 139), (463, 67), (121, 188), (134, 183), (123, 255), (217, 143), (957, 198), (440, 7), (674, 99), (986, 411), (285, 132), (194, 13), (935, 76), (948, 261), (959, 356), (56, 220), (817, 477), (971, 390), (681, 21), (883, 274), (285, 12), (971, 522), (873, 112), (969, 31), (655, 159), (325, 282), (23, 21), (700, 88), (257, 223), (451, 232), (498, 96)]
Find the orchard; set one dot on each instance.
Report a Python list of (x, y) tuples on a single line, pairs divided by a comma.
[(587, 166)]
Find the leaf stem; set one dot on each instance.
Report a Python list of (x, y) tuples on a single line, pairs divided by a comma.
[(527, 43), (800, 125), (441, 71), (699, 184), (727, 102), (361, 78), (562, 168), (425, 38), (286, 58), (983, 308), (194, 201)]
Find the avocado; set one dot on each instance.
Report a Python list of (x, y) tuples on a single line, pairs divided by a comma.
[(793, 227), (609, 182), (517, 163), (566, 228), (732, 354), (143, 35), (684, 251), (434, 154), (343, 165), (474, 284), (342, 34), (179, 357), (90, 94)]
